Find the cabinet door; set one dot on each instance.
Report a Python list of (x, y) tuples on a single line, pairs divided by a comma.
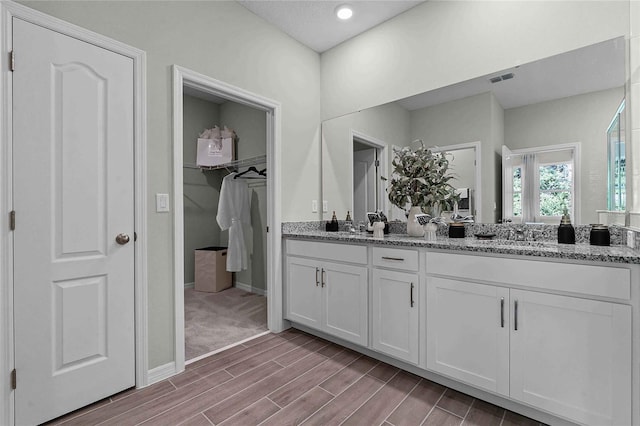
[(304, 292), (572, 357), (395, 314), (344, 290), (468, 332)]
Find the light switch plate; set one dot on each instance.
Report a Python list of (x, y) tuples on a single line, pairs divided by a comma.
[(314, 206), (162, 203), (325, 207)]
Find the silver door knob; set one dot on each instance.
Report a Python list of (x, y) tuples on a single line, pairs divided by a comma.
[(122, 239)]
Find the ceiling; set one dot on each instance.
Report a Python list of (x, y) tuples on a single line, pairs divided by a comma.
[(314, 22), (597, 67)]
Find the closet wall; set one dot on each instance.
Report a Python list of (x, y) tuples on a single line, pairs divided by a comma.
[(202, 189)]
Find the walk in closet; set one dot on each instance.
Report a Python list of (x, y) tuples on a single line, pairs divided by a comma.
[(219, 316)]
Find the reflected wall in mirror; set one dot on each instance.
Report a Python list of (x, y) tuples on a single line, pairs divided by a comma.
[(570, 98)]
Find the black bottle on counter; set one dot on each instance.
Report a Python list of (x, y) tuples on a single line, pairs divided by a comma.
[(333, 225), (566, 233)]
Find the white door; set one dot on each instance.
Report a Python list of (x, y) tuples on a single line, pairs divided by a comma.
[(468, 330), (364, 184), (345, 302), (304, 303), (73, 194), (395, 314), (571, 357)]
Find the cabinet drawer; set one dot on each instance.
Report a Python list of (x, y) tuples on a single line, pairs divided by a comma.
[(594, 280), (395, 258), (329, 251)]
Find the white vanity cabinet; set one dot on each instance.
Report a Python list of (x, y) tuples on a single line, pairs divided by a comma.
[(325, 294), (396, 303), (568, 355), (396, 330)]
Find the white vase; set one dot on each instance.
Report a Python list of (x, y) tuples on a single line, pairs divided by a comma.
[(414, 229)]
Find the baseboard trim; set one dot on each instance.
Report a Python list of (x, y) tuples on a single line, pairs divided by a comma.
[(189, 285), (249, 288), (161, 372)]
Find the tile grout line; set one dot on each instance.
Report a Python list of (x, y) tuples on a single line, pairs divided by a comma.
[(231, 396), (434, 405), (468, 411), (504, 414), (386, 419), (372, 395)]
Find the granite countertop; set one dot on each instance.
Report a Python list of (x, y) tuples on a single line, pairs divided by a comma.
[(550, 249)]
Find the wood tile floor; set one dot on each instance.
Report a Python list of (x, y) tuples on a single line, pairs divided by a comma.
[(292, 378)]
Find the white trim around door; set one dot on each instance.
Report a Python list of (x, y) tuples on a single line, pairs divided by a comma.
[(183, 77), (9, 10)]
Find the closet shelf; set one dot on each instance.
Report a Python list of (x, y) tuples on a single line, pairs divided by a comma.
[(245, 162)]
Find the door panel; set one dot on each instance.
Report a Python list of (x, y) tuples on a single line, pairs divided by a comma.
[(345, 295), (304, 292), (583, 378), (73, 193), (468, 329), (396, 296)]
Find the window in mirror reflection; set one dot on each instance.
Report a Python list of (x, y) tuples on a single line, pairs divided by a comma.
[(617, 195), (540, 184)]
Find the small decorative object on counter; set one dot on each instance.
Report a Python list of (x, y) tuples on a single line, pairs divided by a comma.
[(456, 230), (429, 224), (333, 225), (348, 224), (348, 219), (566, 233), (378, 230), (599, 235)]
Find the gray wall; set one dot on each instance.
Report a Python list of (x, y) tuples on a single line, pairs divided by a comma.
[(474, 119), (251, 126), (223, 40), (584, 119), (439, 43), (201, 190)]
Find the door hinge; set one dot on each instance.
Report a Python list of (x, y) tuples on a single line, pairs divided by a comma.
[(14, 380), (12, 61), (267, 229), (377, 163), (135, 237), (12, 220)]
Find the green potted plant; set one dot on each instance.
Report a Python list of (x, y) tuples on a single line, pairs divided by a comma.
[(421, 180)]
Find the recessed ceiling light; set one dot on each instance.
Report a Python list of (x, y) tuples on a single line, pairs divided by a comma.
[(344, 12)]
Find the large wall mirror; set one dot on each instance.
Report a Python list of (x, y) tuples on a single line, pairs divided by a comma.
[(551, 130)]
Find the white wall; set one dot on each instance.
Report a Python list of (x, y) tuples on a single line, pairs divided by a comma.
[(223, 40), (585, 119), (439, 43)]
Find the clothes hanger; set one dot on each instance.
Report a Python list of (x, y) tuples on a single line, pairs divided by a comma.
[(250, 169)]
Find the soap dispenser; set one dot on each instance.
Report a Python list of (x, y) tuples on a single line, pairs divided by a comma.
[(333, 225), (566, 233)]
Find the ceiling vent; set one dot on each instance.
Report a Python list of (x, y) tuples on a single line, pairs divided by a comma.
[(502, 77)]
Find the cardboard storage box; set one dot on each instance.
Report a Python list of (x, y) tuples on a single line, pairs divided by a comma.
[(211, 269)]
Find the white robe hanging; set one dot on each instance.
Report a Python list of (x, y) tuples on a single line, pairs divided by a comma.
[(234, 215)]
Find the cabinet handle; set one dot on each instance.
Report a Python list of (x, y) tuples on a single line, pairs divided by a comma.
[(324, 276), (515, 315), (317, 280), (411, 295), (399, 259), (502, 312)]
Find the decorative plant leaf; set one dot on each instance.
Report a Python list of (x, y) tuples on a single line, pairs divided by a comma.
[(421, 178)]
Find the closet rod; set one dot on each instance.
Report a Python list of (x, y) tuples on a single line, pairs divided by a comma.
[(245, 162)]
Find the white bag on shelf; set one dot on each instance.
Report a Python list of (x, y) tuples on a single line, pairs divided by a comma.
[(213, 152)]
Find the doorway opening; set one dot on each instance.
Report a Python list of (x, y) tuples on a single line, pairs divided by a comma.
[(222, 293), (370, 158)]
